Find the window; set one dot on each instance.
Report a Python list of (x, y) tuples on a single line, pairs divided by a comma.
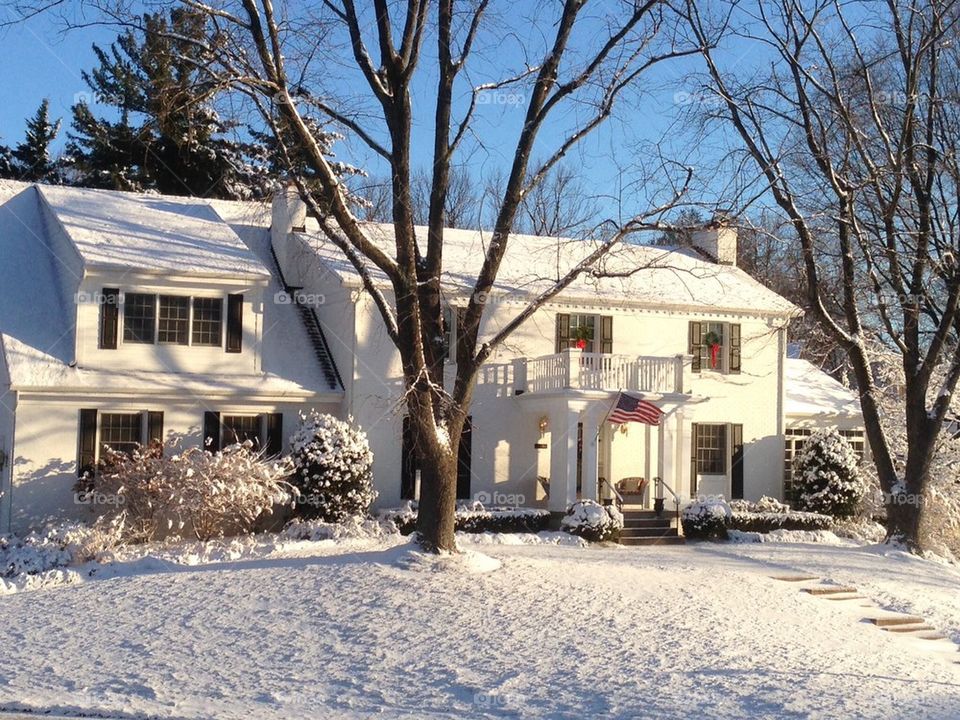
[(174, 320), (122, 432), (715, 346), (139, 315), (710, 449), (452, 317), (240, 428), (207, 321)]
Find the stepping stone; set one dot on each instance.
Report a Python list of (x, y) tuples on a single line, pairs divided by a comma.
[(829, 590), (846, 597), (794, 578), (908, 628), (892, 620)]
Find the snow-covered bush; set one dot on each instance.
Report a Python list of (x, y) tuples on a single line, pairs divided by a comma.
[(827, 475), (151, 496), (473, 517), (706, 518), (593, 521), (353, 528), (333, 469), (56, 547)]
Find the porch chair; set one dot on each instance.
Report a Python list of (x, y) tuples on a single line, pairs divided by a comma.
[(633, 487)]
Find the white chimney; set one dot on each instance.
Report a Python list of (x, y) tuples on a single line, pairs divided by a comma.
[(289, 216), (719, 242)]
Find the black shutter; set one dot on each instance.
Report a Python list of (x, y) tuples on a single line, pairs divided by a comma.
[(274, 428), (694, 445), (211, 431), (109, 318), (87, 455), (736, 462), (464, 459), (735, 348), (696, 342), (606, 334), (563, 332), (154, 426), (408, 461), (234, 323)]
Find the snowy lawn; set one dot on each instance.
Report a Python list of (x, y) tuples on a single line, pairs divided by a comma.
[(364, 627)]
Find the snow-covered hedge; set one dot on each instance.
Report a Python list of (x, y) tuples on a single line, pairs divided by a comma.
[(333, 469), (769, 514), (592, 521), (149, 495), (827, 475), (706, 518), (473, 517)]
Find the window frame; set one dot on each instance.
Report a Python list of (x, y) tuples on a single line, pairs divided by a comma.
[(719, 433), (128, 338), (138, 425), (228, 428), (185, 301), (193, 320)]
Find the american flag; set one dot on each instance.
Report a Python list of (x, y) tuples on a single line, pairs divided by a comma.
[(634, 409)]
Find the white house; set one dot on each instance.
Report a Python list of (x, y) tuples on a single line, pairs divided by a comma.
[(126, 318)]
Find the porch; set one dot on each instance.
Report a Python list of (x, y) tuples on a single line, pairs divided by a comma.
[(571, 394)]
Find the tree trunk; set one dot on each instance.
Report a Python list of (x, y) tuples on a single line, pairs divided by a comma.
[(436, 516), (904, 515)]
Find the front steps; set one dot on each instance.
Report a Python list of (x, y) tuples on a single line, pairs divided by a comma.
[(643, 527)]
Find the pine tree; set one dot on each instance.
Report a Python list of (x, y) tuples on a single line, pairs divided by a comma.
[(6, 163), (33, 159), (168, 137)]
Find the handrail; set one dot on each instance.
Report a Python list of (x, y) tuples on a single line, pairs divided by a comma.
[(660, 484), (616, 493)]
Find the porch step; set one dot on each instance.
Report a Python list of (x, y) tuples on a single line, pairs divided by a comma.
[(661, 540), (648, 515), (648, 532), (629, 522)]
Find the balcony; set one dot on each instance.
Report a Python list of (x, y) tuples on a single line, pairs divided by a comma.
[(577, 370)]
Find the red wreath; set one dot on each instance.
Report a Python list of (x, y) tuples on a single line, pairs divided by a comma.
[(713, 340)]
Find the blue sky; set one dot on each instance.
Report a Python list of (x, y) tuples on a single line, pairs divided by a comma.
[(39, 61)]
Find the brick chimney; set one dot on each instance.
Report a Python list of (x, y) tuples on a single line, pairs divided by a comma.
[(719, 241)]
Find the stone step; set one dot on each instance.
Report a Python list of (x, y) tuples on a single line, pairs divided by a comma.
[(830, 590), (648, 532), (892, 620), (794, 578), (664, 540), (647, 514), (647, 522)]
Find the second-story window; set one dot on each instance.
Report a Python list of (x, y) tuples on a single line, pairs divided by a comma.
[(174, 320), (590, 333), (139, 317), (715, 346), (207, 321)]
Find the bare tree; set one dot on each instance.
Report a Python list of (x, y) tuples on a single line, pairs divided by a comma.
[(854, 132), (576, 65)]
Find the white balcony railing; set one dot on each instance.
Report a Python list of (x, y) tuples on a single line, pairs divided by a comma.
[(577, 370)]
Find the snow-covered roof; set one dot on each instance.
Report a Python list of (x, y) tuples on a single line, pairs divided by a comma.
[(49, 234), (810, 392), (150, 233), (635, 275)]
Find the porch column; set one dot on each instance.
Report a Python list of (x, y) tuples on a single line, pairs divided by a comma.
[(563, 458), (668, 450), (589, 486)]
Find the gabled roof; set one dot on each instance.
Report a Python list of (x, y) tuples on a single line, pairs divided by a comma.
[(150, 233), (631, 275), (810, 392)]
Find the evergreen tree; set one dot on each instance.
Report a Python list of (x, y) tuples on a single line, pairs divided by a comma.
[(33, 161), (6, 162), (168, 137)]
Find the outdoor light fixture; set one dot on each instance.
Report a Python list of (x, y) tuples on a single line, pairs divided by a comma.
[(544, 424)]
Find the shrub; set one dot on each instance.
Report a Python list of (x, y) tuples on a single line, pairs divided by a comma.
[(149, 495), (333, 469), (475, 518), (706, 518), (827, 475), (56, 547), (592, 521)]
